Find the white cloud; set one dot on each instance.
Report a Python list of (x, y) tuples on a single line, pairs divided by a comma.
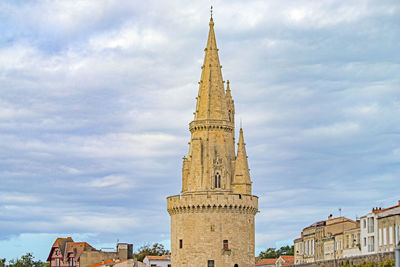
[(334, 130), (96, 97), (117, 181), (17, 197)]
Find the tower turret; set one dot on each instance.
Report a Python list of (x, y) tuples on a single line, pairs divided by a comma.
[(241, 180)]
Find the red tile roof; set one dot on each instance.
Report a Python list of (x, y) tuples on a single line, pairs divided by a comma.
[(100, 263), (108, 263), (266, 262), (287, 258)]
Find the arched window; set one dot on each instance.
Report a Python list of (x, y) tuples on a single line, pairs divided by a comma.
[(219, 181), (236, 265), (230, 115)]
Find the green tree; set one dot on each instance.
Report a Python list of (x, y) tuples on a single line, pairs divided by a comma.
[(156, 249), (26, 260), (286, 250), (3, 262), (272, 253)]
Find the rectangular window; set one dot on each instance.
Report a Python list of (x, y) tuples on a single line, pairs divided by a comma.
[(359, 240), (57, 262), (390, 235), (365, 223), (347, 241), (180, 243), (365, 241), (210, 263), (370, 225), (225, 243), (169, 265), (371, 244), (313, 247), (384, 236), (380, 236)]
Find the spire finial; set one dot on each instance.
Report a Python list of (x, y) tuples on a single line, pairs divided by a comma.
[(211, 11), (240, 123)]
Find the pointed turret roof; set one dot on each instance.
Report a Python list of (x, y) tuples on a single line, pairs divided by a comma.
[(211, 101), (228, 90), (242, 173)]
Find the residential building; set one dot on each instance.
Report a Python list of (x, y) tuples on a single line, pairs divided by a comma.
[(67, 253), (329, 247), (160, 261), (388, 228), (213, 219), (284, 260), (352, 246), (369, 232), (298, 250), (322, 239)]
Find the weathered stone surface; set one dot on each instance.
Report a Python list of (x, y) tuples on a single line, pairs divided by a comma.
[(213, 219)]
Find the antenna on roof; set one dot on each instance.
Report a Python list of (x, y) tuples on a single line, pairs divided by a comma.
[(340, 212)]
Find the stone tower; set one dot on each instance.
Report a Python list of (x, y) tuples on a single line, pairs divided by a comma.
[(212, 221)]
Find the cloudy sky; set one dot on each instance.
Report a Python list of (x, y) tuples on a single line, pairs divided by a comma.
[(96, 97)]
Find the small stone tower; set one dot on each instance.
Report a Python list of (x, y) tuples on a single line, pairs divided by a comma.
[(212, 221)]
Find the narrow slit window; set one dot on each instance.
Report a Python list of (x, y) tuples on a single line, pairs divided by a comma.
[(180, 243), (225, 244), (219, 181)]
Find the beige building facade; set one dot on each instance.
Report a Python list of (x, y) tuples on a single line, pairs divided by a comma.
[(213, 219), (388, 228), (323, 240)]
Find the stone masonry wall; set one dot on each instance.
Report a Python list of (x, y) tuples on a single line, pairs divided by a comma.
[(201, 223)]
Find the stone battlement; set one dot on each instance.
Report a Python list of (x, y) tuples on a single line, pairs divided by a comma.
[(212, 203)]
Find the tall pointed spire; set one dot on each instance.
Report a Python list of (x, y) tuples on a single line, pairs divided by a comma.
[(241, 181), (211, 101)]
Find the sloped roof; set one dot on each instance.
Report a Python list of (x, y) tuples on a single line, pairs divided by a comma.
[(77, 248), (109, 263), (287, 258), (162, 258), (266, 262), (59, 243)]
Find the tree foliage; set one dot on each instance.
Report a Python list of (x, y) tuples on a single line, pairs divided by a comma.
[(26, 260), (156, 249), (272, 253)]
